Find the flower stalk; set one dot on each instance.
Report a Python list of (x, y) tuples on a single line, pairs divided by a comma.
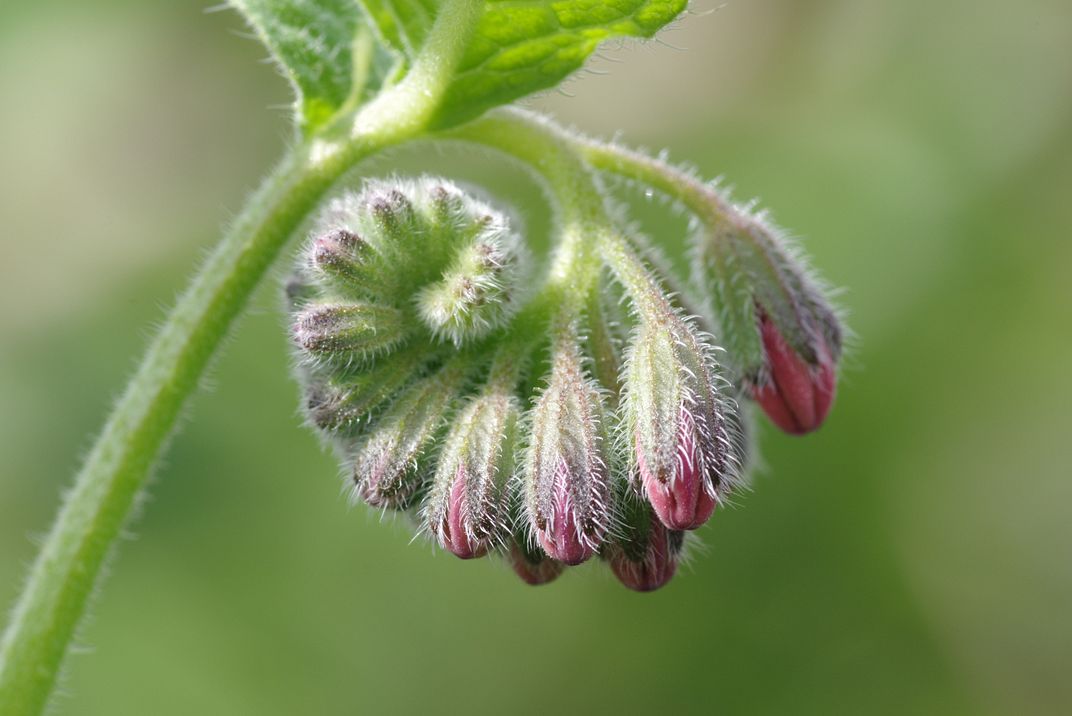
[(68, 567)]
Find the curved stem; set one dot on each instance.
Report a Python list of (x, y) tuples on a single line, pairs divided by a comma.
[(581, 216), (589, 234), (712, 209), (105, 489), (94, 511), (701, 199)]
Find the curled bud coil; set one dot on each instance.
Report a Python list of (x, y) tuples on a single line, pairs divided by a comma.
[(408, 290), (478, 291)]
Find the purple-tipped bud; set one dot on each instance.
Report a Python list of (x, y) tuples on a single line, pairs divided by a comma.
[(391, 463), (648, 560), (567, 483), (781, 332), (675, 418), (466, 508), (795, 394), (347, 264), (533, 566), (345, 331)]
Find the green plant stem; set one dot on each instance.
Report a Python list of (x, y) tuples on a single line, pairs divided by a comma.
[(701, 199), (589, 233), (105, 489), (570, 183), (696, 196), (96, 508)]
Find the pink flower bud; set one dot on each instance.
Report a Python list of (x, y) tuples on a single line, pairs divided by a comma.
[(456, 533), (650, 561), (683, 500), (676, 418), (534, 568), (782, 333), (567, 483), (563, 533), (795, 395), (466, 509)]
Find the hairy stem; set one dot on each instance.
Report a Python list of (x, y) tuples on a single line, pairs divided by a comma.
[(568, 181), (96, 508), (696, 196), (589, 233)]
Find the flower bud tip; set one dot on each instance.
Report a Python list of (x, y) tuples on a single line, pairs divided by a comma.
[(796, 396)]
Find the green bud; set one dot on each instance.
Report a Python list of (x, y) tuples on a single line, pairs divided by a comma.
[(344, 332), (478, 292), (347, 265), (394, 237), (342, 405), (391, 463)]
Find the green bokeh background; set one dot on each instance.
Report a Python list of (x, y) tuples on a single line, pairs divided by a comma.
[(913, 557)]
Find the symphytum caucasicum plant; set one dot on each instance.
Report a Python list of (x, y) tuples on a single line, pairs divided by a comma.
[(504, 399)]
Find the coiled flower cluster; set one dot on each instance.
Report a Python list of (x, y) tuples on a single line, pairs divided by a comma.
[(507, 416)]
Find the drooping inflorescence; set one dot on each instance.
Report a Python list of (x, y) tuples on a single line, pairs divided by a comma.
[(504, 414)]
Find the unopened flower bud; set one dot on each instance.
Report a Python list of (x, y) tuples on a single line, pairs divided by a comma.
[(341, 405), (567, 482), (344, 332), (782, 334), (391, 463), (675, 418), (532, 565), (466, 508), (646, 556), (348, 265), (795, 394), (478, 292)]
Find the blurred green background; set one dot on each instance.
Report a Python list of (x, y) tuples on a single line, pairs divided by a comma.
[(915, 556)]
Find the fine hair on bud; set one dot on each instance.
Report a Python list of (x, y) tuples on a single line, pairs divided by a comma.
[(466, 508), (348, 333), (479, 290), (566, 476), (645, 557), (391, 463), (675, 425), (783, 333)]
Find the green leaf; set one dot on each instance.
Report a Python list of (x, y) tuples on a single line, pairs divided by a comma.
[(323, 48), (520, 46), (402, 24)]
